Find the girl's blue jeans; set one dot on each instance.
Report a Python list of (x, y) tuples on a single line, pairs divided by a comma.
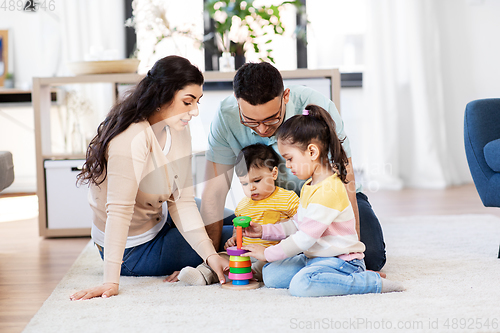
[(167, 252), (322, 276)]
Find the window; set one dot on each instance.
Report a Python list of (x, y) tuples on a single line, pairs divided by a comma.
[(335, 34)]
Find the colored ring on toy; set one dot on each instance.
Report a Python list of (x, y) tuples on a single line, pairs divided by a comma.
[(240, 282), (234, 251), (242, 221), (238, 258), (240, 270), (244, 276), (239, 264), (239, 237)]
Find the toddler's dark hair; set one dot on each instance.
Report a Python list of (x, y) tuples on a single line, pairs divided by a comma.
[(257, 155), (317, 126)]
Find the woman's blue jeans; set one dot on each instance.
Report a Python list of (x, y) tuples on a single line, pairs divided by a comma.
[(322, 276), (167, 252)]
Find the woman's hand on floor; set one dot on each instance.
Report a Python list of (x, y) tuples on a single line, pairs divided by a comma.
[(106, 290), (219, 265)]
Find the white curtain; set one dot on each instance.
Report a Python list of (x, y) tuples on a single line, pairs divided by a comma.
[(86, 28), (405, 136), (90, 23)]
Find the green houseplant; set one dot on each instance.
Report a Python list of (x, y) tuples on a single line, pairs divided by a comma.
[(254, 25)]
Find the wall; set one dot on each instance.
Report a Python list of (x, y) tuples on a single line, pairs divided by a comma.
[(471, 52), (40, 45), (16, 121), (42, 42)]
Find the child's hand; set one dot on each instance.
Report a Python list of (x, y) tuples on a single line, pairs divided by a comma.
[(254, 250), (230, 242), (253, 231)]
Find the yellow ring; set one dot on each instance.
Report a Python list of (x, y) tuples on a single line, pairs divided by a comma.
[(237, 258)]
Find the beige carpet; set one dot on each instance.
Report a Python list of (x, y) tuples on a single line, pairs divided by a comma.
[(448, 264)]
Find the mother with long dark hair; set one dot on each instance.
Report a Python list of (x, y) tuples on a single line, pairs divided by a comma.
[(138, 167)]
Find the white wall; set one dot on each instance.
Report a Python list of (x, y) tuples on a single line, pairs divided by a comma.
[(28, 56), (471, 62), (40, 45), (26, 59)]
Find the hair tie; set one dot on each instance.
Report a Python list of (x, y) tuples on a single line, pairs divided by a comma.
[(305, 112)]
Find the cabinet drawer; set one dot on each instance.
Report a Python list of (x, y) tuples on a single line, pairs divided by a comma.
[(67, 204)]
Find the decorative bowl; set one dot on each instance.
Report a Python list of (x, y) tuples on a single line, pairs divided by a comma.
[(103, 67)]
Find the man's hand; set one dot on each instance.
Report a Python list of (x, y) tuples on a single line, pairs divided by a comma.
[(253, 231), (106, 290), (254, 250)]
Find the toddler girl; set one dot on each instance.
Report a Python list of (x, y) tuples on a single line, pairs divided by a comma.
[(320, 253)]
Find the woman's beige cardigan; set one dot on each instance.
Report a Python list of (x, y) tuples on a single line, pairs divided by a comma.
[(139, 179)]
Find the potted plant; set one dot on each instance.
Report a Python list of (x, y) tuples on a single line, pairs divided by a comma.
[(239, 24)]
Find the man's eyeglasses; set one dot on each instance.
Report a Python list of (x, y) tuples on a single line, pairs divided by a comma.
[(273, 120)]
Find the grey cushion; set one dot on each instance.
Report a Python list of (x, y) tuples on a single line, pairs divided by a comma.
[(6, 170)]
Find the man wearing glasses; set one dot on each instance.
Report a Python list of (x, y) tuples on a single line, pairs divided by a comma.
[(259, 106)]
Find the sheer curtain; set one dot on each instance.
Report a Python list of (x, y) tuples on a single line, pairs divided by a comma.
[(86, 27), (405, 132), (84, 24)]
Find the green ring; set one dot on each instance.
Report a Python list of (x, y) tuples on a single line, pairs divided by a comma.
[(242, 221), (240, 270)]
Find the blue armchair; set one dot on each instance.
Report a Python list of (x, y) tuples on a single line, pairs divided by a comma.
[(482, 147)]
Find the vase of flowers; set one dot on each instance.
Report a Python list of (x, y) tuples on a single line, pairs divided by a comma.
[(240, 26)]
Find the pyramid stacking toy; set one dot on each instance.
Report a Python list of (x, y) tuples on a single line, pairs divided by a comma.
[(240, 268)]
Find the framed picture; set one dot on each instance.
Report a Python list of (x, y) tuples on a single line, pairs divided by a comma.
[(4, 54)]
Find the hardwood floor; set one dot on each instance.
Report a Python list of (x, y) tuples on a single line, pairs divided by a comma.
[(31, 266), (453, 200)]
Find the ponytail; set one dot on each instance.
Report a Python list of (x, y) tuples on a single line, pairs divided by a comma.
[(316, 124)]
